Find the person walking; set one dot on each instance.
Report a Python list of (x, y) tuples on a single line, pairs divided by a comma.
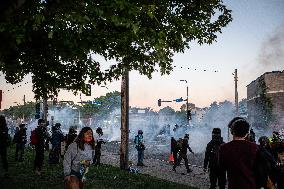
[(4, 144), (20, 139), (99, 142), (56, 138), (210, 160), (77, 159), (39, 137), (140, 147), (183, 154)]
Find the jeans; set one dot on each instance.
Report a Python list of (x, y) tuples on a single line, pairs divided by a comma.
[(140, 156)]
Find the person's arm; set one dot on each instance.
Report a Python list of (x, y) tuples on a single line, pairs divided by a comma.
[(189, 149), (69, 157), (206, 158)]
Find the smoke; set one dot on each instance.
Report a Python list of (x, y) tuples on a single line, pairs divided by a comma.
[(272, 51)]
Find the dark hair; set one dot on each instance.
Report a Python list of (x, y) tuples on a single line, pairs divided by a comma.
[(239, 127), (40, 121), (3, 121), (233, 120), (216, 131), (80, 138)]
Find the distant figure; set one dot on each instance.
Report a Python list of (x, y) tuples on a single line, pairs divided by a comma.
[(4, 143), (211, 159), (70, 137), (174, 149), (56, 138), (140, 146), (183, 154), (239, 157), (251, 135), (38, 139), (99, 142), (20, 138), (77, 159)]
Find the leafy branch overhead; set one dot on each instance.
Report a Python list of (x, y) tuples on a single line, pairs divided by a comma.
[(56, 41)]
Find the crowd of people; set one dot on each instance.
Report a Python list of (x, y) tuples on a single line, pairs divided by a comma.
[(240, 163)]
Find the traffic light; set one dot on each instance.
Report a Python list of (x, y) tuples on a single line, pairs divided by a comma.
[(88, 90), (189, 114), (159, 102)]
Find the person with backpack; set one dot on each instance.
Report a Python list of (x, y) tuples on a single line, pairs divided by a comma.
[(20, 139), (140, 147), (183, 154), (38, 139), (174, 149), (70, 137), (4, 143), (77, 159), (211, 160), (56, 138), (99, 142)]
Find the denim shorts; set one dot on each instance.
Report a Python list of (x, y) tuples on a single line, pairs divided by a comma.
[(77, 174)]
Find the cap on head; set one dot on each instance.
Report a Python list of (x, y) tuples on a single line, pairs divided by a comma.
[(140, 132), (216, 131)]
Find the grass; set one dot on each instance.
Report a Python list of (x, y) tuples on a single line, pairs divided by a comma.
[(21, 176)]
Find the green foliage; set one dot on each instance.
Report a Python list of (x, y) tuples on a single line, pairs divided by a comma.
[(55, 40), (265, 103), (20, 111), (102, 177)]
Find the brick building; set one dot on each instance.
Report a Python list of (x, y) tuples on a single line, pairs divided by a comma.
[(265, 101)]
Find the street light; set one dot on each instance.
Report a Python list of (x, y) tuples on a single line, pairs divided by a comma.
[(186, 99)]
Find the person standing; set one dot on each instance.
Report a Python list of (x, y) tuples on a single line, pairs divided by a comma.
[(174, 149), (210, 160), (78, 158), (40, 135), (140, 147), (239, 157), (4, 143), (99, 142), (20, 139), (56, 138), (183, 154)]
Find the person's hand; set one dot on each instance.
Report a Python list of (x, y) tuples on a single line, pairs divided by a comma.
[(67, 178)]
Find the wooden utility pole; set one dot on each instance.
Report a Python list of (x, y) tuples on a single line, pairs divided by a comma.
[(45, 109), (124, 121), (236, 92)]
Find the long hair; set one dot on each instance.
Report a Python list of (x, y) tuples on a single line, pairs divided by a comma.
[(80, 138), (3, 123)]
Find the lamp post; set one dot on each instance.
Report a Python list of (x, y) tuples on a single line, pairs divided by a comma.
[(186, 98)]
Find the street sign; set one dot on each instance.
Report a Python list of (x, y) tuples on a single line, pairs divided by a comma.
[(179, 99)]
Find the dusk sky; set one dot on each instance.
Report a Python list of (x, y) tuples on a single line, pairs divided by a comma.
[(253, 43)]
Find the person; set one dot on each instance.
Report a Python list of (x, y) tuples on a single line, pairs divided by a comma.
[(268, 161), (140, 147), (20, 139), (183, 154), (70, 137), (174, 149), (4, 144), (56, 138), (239, 157), (41, 137), (210, 160), (251, 135), (99, 142), (78, 158)]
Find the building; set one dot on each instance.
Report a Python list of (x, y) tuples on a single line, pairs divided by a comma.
[(265, 101)]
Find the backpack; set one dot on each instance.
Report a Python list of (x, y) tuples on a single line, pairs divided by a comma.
[(179, 144), (34, 138), (213, 152)]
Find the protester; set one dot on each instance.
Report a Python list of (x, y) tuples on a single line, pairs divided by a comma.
[(239, 157), (38, 139), (174, 149), (99, 142), (20, 138), (183, 154), (56, 138), (70, 137), (78, 158), (4, 143), (140, 147), (211, 159)]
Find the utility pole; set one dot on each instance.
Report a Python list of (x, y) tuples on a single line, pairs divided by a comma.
[(236, 92), (24, 99), (187, 113), (45, 109), (124, 121)]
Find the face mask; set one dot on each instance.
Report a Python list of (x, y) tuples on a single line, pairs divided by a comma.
[(87, 139)]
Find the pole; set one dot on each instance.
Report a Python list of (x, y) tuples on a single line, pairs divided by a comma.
[(45, 109), (187, 103), (124, 121), (24, 99), (236, 92)]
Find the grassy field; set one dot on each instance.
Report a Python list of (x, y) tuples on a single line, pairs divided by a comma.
[(21, 176)]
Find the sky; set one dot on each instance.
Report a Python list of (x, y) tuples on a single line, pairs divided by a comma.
[(253, 43)]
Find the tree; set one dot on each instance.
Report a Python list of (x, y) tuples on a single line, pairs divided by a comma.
[(54, 39)]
